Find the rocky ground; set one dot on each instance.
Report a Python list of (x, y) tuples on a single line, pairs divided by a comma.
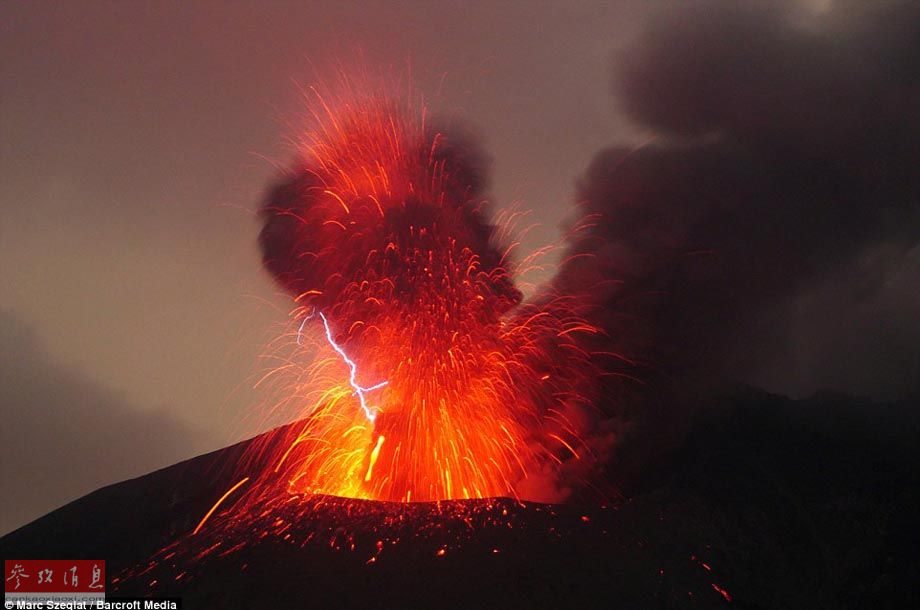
[(767, 503)]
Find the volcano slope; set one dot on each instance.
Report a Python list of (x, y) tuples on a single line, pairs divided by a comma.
[(766, 503)]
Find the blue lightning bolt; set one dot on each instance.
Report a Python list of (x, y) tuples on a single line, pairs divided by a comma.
[(369, 412)]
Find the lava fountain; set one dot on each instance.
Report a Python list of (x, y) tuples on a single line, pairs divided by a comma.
[(417, 369)]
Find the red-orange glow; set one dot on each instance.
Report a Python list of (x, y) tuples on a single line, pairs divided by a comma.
[(412, 366)]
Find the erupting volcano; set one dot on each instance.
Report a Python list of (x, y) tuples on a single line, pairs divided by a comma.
[(418, 370), (442, 414)]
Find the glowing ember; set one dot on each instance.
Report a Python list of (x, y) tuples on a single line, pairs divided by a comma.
[(381, 234)]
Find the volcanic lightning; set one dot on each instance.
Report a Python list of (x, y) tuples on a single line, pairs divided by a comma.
[(360, 391)]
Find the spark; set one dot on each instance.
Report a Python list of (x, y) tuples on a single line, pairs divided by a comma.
[(721, 591), (216, 504)]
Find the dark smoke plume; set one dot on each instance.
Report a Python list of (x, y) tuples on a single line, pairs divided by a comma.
[(785, 155)]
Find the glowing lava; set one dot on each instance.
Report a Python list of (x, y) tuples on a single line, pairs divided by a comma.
[(381, 230)]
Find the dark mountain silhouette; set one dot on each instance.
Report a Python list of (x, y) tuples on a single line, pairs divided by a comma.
[(767, 503)]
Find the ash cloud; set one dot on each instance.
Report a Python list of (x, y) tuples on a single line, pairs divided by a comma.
[(764, 233), (768, 232)]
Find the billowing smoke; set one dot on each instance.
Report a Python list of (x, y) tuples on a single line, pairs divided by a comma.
[(782, 164)]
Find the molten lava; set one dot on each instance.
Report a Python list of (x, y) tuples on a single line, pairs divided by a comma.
[(417, 370)]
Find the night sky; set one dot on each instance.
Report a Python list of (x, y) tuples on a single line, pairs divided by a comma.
[(137, 142)]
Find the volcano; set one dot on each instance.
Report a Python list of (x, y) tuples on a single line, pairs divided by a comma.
[(765, 503)]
